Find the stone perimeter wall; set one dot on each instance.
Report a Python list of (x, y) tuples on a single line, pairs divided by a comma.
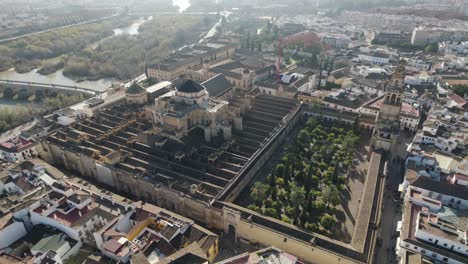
[(216, 215), (262, 235), (126, 183)]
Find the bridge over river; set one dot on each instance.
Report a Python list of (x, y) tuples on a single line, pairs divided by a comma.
[(38, 85)]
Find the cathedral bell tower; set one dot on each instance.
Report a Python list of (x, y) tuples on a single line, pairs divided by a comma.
[(387, 123)]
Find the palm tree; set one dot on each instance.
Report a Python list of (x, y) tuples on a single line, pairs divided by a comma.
[(258, 192), (328, 221), (331, 195), (273, 189), (298, 195), (308, 182), (280, 170)]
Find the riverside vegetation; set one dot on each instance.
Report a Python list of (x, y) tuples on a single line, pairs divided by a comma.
[(28, 53), (29, 104), (120, 57), (125, 56)]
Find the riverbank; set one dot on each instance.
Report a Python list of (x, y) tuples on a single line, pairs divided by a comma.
[(117, 54), (22, 105), (124, 56), (49, 68), (5, 40), (28, 53), (56, 78), (54, 64)]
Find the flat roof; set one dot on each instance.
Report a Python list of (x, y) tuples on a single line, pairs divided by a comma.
[(410, 225), (158, 86), (367, 201), (446, 162)]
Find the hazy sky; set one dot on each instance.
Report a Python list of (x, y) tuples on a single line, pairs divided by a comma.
[(183, 4)]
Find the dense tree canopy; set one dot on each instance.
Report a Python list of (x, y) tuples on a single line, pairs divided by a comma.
[(92, 52), (55, 43), (30, 103), (124, 56), (461, 90), (305, 186)]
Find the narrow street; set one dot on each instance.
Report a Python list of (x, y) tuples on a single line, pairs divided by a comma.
[(392, 210), (391, 214)]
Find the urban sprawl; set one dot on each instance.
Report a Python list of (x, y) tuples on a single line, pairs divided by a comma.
[(299, 139)]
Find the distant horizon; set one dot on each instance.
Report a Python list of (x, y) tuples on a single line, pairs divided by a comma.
[(182, 4)]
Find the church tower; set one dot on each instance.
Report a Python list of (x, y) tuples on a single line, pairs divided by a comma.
[(387, 123), (205, 70)]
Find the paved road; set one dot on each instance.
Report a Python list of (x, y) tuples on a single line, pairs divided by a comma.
[(390, 216), (391, 210)]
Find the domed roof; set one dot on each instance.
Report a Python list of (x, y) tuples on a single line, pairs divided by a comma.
[(246, 71), (190, 86)]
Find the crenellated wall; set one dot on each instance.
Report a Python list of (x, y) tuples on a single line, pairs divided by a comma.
[(216, 214), (259, 234)]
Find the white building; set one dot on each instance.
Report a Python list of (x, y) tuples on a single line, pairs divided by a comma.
[(456, 101), (418, 64), (365, 71), (337, 41), (419, 79), (409, 115), (10, 230), (453, 47), (444, 130), (457, 178), (423, 36), (17, 149), (306, 84), (55, 247), (156, 232), (375, 58), (78, 216), (370, 87), (68, 116), (434, 222)]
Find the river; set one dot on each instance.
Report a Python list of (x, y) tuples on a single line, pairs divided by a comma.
[(58, 77), (55, 78), (133, 28), (99, 85)]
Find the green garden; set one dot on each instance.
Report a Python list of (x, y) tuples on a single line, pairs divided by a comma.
[(306, 186)]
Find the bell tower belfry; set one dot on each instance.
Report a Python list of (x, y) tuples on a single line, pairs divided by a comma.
[(387, 122)]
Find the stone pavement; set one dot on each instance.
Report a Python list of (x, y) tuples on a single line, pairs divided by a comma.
[(391, 210)]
